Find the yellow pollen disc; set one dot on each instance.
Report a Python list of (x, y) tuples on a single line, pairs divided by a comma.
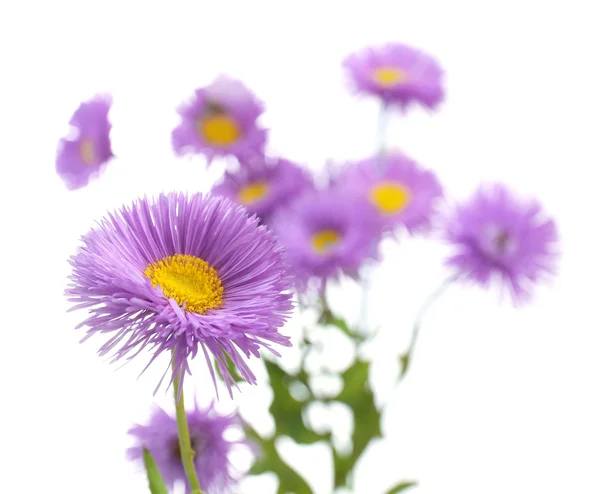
[(253, 192), (88, 155), (390, 197), (189, 280), (389, 76), (324, 240), (219, 129)]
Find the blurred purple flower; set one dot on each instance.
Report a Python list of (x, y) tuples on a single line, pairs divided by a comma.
[(84, 153), (207, 429), (220, 120), (264, 185), (183, 274), (396, 189), (495, 235), (325, 233), (397, 73)]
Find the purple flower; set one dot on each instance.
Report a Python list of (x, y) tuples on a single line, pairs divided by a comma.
[(397, 73), (85, 152), (207, 429), (396, 189), (495, 235), (183, 274), (264, 185), (220, 120), (325, 233)]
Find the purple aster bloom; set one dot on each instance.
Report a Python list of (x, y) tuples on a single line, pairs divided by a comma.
[(85, 152), (396, 189), (264, 185), (397, 73), (213, 467), (220, 120), (183, 274), (496, 235), (325, 233)]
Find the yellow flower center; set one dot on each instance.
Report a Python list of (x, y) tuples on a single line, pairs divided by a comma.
[(88, 154), (253, 192), (219, 129), (325, 240), (389, 76), (390, 197), (189, 280)]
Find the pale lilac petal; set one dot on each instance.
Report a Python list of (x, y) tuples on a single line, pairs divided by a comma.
[(497, 236), (422, 81), (108, 280)]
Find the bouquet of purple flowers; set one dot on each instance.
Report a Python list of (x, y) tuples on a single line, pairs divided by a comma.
[(217, 276)]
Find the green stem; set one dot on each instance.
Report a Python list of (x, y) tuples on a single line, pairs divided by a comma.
[(367, 270), (405, 358), (381, 136), (185, 444)]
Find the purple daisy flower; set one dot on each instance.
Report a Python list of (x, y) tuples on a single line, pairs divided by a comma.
[(264, 185), (220, 120), (397, 73), (325, 233), (183, 274), (396, 189), (498, 236), (207, 429), (85, 152)]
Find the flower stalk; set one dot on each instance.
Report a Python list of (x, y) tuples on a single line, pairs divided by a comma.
[(185, 443), (367, 275), (405, 358)]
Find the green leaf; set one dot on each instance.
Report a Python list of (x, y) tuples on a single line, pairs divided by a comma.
[(155, 481), (270, 461), (402, 486), (327, 317), (404, 363), (287, 414), (359, 397), (286, 411)]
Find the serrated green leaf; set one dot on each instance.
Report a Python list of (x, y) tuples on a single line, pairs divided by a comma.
[(155, 481), (402, 486), (286, 411), (359, 397)]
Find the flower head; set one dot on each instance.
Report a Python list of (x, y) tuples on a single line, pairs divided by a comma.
[(497, 235), (183, 274), (213, 467), (264, 185), (84, 153), (396, 189), (325, 233), (397, 73), (220, 120)]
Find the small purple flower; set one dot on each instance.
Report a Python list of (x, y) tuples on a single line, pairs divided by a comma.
[(396, 189), (220, 120), (397, 73), (264, 185), (84, 153), (325, 233), (215, 472), (496, 235), (183, 274)]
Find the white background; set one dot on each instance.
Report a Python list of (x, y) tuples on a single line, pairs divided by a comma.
[(498, 400)]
